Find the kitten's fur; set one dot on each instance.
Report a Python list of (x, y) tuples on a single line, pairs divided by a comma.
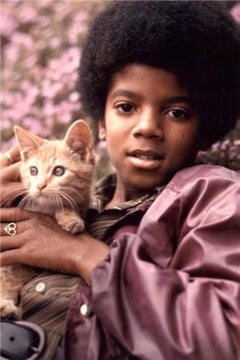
[(57, 177)]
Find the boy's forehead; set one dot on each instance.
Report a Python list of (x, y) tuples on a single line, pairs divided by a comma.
[(144, 71), (136, 79)]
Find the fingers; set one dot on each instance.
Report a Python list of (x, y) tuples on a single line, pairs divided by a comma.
[(10, 157), (9, 243), (12, 254), (10, 193), (11, 172), (7, 258), (12, 223), (15, 214)]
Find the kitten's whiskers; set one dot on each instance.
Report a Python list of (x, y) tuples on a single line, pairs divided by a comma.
[(69, 200), (59, 201), (13, 196), (78, 193), (26, 201)]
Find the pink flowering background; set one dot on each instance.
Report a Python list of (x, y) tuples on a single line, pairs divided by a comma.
[(40, 53), (41, 49)]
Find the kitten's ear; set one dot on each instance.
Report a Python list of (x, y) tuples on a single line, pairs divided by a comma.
[(79, 136), (27, 142)]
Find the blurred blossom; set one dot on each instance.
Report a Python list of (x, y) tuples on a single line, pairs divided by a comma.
[(27, 13), (225, 152), (7, 24), (55, 42), (41, 42), (11, 54), (24, 40), (74, 96), (235, 11), (226, 144)]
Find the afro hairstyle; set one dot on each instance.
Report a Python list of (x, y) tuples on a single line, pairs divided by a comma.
[(196, 40)]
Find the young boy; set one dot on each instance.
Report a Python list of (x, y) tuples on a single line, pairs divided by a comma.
[(162, 80)]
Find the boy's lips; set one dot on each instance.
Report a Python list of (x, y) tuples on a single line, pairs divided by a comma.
[(145, 159)]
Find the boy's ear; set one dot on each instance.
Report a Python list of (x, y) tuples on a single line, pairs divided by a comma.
[(101, 130), (79, 136), (27, 142)]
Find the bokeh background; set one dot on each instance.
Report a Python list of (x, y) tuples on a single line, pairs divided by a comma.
[(40, 53)]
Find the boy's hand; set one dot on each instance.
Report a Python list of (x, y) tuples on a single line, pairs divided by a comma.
[(10, 176)]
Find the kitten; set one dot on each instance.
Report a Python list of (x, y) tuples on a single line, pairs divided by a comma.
[(56, 178)]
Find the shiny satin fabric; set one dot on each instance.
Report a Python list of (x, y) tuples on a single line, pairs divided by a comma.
[(170, 288)]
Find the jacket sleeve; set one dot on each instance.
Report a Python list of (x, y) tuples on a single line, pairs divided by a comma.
[(172, 290)]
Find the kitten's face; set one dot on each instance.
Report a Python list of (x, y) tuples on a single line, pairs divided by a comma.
[(53, 173), (57, 173)]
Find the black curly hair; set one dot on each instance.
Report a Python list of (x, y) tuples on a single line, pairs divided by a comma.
[(196, 40)]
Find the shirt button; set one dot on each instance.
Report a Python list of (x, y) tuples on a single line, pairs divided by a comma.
[(113, 244), (40, 287), (85, 310)]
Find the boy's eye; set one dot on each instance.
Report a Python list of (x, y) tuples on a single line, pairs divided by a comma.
[(178, 114), (58, 171), (33, 170), (125, 108)]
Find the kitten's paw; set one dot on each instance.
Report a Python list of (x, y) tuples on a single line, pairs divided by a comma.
[(9, 310), (70, 222), (74, 226)]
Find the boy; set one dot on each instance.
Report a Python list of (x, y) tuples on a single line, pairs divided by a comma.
[(162, 80)]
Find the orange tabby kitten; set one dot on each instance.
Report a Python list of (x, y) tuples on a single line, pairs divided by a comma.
[(56, 177)]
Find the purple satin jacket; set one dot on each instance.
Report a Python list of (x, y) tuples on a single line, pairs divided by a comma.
[(170, 288)]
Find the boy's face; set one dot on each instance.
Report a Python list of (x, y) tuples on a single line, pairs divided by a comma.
[(150, 126)]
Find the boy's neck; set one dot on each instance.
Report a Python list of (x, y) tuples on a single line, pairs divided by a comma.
[(123, 194)]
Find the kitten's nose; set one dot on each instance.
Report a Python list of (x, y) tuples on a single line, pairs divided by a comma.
[(41, 185)]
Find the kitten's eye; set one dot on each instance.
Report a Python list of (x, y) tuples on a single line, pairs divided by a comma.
[(33, 170), (58, 170)]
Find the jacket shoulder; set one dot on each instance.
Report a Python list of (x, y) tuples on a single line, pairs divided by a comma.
[(210, 174)]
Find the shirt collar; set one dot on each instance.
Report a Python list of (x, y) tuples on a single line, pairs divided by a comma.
[(104, 191)]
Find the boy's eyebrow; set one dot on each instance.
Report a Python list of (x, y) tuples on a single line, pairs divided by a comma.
[(176, 99), (123, 92), (171, 100)]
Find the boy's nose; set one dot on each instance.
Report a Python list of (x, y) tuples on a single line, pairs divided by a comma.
[(149, 126)]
